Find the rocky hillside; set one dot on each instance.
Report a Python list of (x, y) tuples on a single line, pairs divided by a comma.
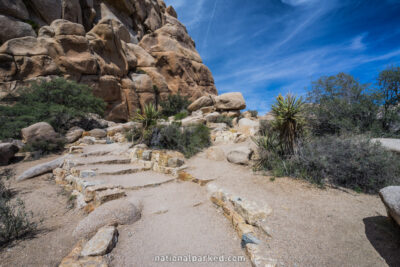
[(131, 52)]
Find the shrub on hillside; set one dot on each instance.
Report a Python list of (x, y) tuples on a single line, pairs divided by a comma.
[(253, 113), (45, 146), (224, 119), (15, 222), (174, 104), (56, 102), (188, 140), (181, 115)]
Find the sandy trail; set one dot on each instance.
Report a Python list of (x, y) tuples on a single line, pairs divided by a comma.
[(311, 226)]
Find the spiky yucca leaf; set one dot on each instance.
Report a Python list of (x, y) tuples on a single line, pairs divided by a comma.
[(289, 120)]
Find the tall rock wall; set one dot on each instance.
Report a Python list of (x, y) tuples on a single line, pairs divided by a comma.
[(128, 51)]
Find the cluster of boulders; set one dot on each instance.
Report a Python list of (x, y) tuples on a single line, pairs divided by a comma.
[(130, 52)]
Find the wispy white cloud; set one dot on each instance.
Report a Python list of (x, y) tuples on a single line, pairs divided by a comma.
[(284, 45), (357, 43), (298, 2)]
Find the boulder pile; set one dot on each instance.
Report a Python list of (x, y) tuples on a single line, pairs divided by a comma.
[(129, 52)]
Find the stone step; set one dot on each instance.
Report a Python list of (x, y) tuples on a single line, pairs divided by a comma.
[(102, 160), (111, 169), (134, 181)]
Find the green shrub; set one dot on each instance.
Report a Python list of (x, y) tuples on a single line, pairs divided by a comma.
[(351, 162), (253, 113), (188, 140), (46, 147), (224, 119), (56, 102), (15, 222), (181, 115), (174, 104), (134, 135)]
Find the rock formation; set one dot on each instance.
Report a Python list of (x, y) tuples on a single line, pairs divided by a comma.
[(129, 52)]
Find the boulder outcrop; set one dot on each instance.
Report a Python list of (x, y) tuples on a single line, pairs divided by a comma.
[(129, 52)]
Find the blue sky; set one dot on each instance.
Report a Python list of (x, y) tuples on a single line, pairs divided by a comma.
[(265, 47)]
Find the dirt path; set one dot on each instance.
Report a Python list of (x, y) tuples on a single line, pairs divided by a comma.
[(311, 226), (56, 221)]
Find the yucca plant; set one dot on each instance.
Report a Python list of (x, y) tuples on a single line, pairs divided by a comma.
[(289, 121), (148, 117)]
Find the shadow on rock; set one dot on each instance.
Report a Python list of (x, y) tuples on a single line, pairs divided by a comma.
[(384, 236)]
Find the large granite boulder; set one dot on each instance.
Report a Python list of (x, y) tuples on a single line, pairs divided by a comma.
[(12, 28), (14, 8), (41, 131), (122, 49), (204, 101), (390, 197), (240, 155), (7, 152), (230, 101)]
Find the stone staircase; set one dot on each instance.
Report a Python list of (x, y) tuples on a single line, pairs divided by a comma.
[(177, 206)]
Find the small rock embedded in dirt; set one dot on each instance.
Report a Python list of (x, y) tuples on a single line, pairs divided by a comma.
[(102, 243)]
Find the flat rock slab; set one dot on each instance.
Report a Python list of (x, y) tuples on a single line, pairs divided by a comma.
[(391, 198), (391, 144), (115, 148), (134, 180), (101, 160), (102, 242), (42, 168), (111, 169)]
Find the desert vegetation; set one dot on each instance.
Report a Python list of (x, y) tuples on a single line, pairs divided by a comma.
[(15, 221), (327, 137), (189, 139), (58, 102)]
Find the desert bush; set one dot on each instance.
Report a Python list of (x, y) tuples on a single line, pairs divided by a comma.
[(224, 119), (174, 104), (56, 102), (181, 115), (15, 222), (253, 113), (46, 146), (134, 134), (351, 162), (188, 140)]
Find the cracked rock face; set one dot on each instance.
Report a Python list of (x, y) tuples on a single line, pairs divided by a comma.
[(122, 49)]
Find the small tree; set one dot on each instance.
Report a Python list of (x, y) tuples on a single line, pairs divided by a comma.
[(289, 121), (389, 82), (341, 104)]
